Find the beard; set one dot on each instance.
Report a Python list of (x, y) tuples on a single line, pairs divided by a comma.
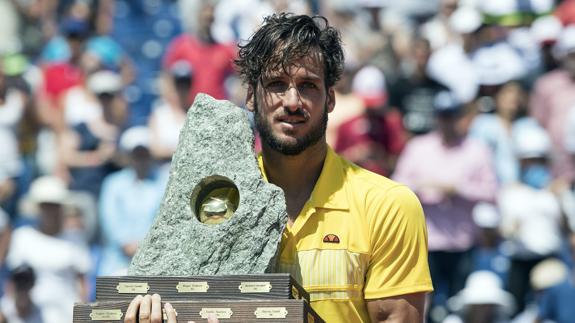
[(283, 146)]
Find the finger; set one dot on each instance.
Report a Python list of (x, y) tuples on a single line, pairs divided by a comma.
[(145, 309), (213, 319), (132, 311), (156, 315), (170, 313)]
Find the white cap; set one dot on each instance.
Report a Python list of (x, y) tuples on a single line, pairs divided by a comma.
[(369, 84), (486, 215), (565, 43), (138, 136), (547, 273), (104, 82), (483, 287), (546, 28), (530, 140), (498, 64), (463, 81), (48, 189), (465, 20)]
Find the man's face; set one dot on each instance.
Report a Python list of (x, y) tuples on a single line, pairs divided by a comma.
[(291, 106)]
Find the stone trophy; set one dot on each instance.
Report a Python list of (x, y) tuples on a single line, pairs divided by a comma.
[(215, 240)]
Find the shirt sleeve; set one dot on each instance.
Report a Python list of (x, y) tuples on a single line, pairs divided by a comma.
[(398, 263)]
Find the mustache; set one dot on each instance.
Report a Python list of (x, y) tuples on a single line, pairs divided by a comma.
[(299, 112)]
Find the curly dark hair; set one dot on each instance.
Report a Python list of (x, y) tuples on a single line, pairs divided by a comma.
[(284, 38)]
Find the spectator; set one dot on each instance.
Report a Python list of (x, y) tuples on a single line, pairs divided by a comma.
[(413, 92), (168, 118), (438, 30), (546, 30), (495, 129), (60, 265), (88, 150), (483, 300), (457, 173), (463, 81), (62, 70), (212, 61), (566, 189), (530, 212), (17, 305), (553, 98), (129, 201), (490, 253), (557, 303), (544, 276), (374, 138)]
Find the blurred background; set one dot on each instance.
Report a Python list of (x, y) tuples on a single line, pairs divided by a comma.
[(470, 103)]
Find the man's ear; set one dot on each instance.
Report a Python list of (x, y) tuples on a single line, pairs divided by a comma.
[(330, 99), (250, 99)]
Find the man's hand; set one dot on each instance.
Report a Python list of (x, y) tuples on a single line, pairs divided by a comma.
[(148, 309)]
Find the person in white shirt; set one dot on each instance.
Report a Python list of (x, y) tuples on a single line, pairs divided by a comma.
[(59, 264), (530, 212)]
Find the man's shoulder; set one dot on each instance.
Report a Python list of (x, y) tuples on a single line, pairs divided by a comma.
[(362, 182), (120, 177)]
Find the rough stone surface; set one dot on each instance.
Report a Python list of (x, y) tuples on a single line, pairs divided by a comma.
[(216, 140)]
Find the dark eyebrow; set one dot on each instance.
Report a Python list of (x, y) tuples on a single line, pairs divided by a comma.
[(311, 78)]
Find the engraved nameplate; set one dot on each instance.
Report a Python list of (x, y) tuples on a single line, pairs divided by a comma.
[(219, 312), (271, 312), (255, 287), (106, 315), (132, 288), (192, 287)]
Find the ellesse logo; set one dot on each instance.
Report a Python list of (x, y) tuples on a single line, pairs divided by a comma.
[(331, 238)]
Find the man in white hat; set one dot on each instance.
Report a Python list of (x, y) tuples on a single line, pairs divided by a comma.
[(483, 300), (60, 265), (530, 212)]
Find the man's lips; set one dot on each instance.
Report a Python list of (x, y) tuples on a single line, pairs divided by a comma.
[(292, 119)]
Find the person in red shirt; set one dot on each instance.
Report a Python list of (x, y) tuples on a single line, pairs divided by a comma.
[(212, 61), (373, 139)]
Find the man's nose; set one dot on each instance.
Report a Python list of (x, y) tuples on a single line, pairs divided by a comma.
[(292, 99)]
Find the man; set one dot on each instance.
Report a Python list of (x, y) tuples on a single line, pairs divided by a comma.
[(60, 265), (355, 240), (128, 203), (450, 172)]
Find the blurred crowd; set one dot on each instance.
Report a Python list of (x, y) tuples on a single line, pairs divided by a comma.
[(470, 103)]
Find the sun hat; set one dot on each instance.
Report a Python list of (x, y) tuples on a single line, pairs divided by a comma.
[(482, 287), (137, 136), (45, 189)]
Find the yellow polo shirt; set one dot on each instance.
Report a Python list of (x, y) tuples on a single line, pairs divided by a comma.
[(359, 237)]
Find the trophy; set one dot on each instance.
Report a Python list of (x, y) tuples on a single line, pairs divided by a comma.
[(214, 245)]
